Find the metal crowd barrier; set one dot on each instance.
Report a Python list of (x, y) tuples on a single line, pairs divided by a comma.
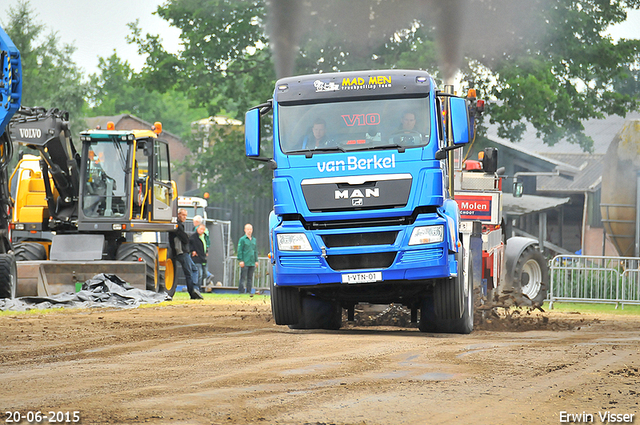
[(594, 279), (261, 276)]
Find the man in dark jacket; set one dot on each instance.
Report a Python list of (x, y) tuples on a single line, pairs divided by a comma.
[(180, 244)]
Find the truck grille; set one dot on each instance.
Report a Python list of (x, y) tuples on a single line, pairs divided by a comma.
[(377, 260), (359, 239)]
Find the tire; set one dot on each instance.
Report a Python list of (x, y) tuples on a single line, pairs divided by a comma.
[(168, 280), (450, 308), (29, 251), (147, 253), (319, 314), (285, 304), (8, 276), (531, 275)]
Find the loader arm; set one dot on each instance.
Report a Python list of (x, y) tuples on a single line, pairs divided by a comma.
[(48, 132)]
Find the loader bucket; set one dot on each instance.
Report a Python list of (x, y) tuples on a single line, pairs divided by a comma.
[(45, 278)]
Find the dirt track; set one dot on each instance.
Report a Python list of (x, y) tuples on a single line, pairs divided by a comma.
[(205, 362)]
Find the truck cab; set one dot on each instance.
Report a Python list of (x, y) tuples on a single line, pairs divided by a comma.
[(363, 202)]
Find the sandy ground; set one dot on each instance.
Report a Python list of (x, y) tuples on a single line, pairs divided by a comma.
[(205, 362)]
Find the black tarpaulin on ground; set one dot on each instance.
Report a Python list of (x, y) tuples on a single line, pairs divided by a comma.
[(102, 290)]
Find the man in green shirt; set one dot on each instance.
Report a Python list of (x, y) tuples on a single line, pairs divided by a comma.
[(247, 259)]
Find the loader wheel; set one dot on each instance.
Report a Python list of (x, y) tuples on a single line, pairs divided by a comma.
[(531, 275), (168, 278), (29, 251), (8, 276), (144, 252), (450, 308), (285, 304)]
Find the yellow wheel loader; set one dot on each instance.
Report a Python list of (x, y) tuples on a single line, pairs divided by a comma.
[(106, 209)]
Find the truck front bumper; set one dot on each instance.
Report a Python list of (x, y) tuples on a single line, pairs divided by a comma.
[(395, 261)]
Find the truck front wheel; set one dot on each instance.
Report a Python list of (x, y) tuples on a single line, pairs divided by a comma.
[(450, 308), (285, 304)]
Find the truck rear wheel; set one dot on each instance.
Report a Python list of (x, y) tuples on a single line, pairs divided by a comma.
[(29, 251), (532, 275), (144, 252), (450, 308), (8, 276), (285, 304)]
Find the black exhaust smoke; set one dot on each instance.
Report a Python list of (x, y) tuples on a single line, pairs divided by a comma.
[(486, 30), (283, 26)]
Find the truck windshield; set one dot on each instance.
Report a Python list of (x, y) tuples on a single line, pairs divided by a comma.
[(350, 126), (105, 180)]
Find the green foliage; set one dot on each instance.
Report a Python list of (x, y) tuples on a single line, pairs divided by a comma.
[(228, 173), (50, 76), (117, 90), (224, 65), (565, 73)]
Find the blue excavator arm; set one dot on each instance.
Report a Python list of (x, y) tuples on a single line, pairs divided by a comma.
[(10, 80)]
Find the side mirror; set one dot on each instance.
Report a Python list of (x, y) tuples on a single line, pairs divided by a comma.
[(252, 132), (518, 188), (459, 115)]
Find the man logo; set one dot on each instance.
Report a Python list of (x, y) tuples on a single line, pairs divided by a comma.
[(356, 202), (357, 193)]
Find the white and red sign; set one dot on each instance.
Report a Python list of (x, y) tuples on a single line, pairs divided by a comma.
[(480, 207)]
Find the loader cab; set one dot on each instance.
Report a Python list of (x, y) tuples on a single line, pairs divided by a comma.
[(125, 182)]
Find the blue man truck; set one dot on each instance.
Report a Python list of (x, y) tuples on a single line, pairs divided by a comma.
[(363, 188)]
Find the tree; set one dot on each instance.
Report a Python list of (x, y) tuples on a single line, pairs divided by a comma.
[(562, 73), (224, 169), (50, 76), (543, 62), (225, 67), (116, 89), (225, 64)]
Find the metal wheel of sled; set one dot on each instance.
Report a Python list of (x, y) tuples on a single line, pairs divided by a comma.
[(317, 313), (8, 276), (450, 308), (144, 252), (531, 275), (29, 251)]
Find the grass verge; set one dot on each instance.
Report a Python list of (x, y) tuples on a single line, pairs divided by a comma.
[(628, 310)]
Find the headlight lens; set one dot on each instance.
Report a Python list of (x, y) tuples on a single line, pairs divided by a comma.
[(293, 242), (427, 234)]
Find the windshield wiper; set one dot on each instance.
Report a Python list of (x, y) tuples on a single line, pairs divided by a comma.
[(308, 153), (400, 148)]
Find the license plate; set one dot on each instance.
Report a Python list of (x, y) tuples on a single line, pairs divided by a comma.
[(362, 277)]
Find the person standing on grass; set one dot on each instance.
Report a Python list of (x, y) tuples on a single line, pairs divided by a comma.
[(204, 275), (247, 259), (179, 241), (199, 253)]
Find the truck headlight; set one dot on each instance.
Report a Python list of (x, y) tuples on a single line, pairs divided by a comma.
[(293, 242), (427, 234)]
